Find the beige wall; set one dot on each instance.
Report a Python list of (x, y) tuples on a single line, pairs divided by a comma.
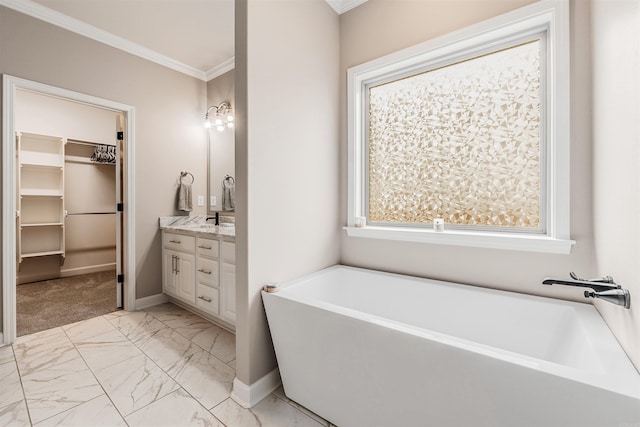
[(47, 115), (168, 117), (221, 144), (89, 187), (380, 27), (616, 178), (407, 23), (286, 158)]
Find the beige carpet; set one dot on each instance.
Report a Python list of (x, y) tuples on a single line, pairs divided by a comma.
[(51, 303)]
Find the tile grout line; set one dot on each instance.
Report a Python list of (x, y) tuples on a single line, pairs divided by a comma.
[(94, 376), (299, 407), (24, 396), (202, 351), (289, 402), (161, 369), (147, 357), (169, 375), (21, 376), (181, 386), (191, 341), (185, 390)]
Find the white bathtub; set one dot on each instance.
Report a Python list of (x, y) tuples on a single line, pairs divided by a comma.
[(366, 348)]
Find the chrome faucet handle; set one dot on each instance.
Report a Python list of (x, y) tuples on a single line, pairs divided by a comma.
[(619, 297), (605, 279)]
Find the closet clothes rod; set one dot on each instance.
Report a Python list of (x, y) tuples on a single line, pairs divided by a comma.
[(90, 144), (92, 213)]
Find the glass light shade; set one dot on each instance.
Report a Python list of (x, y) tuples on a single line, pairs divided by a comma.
[(223, 117)]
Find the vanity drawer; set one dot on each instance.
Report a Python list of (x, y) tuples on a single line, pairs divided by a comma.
[(228, 251), (207, 299), (207, 247), (178, 242), (207, 271)]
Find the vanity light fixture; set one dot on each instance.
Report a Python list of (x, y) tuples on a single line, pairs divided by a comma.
[(223, 117)]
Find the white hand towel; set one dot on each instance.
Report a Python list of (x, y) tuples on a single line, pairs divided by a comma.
[(228, 196), (185, 200)]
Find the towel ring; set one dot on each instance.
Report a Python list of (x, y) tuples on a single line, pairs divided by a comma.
[(185, 173), (230, 179)]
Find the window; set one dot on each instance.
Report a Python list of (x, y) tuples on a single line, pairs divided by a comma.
[(471, 128)]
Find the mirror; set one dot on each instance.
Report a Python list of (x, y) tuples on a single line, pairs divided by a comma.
[(221, 152)]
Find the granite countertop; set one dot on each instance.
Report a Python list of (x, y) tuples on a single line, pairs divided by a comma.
[(198, 225)]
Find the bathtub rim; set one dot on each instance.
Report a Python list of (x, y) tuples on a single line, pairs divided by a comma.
[(623, 380)]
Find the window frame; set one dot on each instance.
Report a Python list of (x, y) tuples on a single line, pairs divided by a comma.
[(547, 20)]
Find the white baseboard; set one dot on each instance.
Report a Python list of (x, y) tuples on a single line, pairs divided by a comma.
[(89, 269), (2, 343), (249, 395), (150, 301), (49, 275)]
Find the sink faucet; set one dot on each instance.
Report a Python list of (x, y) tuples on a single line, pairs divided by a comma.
[(217, 218), (603, 288)]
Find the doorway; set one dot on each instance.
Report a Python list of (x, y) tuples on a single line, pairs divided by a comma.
[(111, 248)]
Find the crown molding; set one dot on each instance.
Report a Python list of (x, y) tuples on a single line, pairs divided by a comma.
[(342, 6), (38, 11), (43, 13), (219, 70)]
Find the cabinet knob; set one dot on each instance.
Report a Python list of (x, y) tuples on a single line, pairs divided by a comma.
[(207, 299), (175, 241), (204, 247), (204, 271)]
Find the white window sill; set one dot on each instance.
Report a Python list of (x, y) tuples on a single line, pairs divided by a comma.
[(516, 242)]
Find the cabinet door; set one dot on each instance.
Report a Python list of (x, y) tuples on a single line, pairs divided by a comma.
[(169, 285), (228, 292), (186, 277)]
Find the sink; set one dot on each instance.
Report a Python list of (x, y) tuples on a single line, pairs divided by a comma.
[(212, 227)]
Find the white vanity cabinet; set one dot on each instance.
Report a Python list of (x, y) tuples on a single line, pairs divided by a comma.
[(228, 281), (200, 270), (178, 266)]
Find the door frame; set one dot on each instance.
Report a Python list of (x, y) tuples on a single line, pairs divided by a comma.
[(9, 86)]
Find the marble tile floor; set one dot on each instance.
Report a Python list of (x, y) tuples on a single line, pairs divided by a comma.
[(162, 366)]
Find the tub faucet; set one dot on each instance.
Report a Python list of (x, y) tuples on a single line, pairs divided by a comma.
[(603, 288)]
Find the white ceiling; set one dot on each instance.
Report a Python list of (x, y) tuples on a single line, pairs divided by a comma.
[(198, 33), (192, 36)]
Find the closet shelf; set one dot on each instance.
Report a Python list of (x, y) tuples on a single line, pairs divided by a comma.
[(38, 254), (40, 207), (41, 166), (40, 193), (53, 161)]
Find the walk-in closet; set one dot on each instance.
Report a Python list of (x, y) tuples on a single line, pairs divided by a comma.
[(67, 221)]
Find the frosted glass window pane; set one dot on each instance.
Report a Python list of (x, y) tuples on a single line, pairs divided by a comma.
[(461, 142)]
